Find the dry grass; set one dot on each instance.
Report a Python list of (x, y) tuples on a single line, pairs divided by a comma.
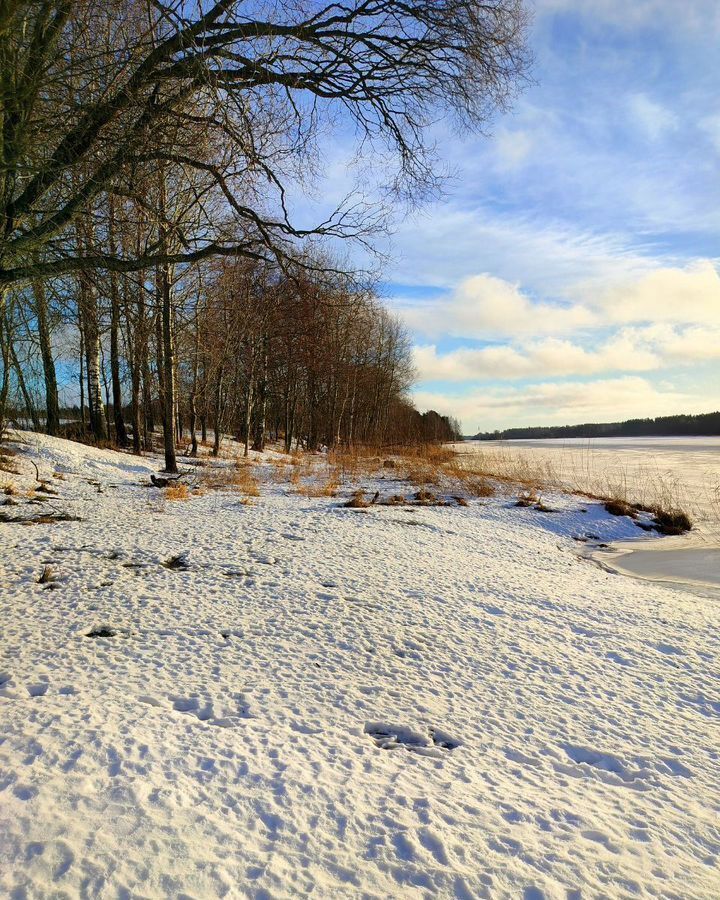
[(302, 465), (239, 478), (422, 474), (672, 521), (617, 507), (357, 501), (6, 461), (279, 471), (177, 492), (356, 462), (244, 481), (431, 454), (327, 488), (628, 492), (9, 489)]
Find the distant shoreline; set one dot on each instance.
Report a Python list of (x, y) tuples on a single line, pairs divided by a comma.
[(702, 425), (663, 435)]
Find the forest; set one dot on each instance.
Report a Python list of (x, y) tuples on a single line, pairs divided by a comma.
[(156, 275), (662, 426), (250, 352)]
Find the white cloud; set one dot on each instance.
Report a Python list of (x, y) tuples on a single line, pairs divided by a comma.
[(484, 307), (445, 244), (540, 359), (673, 345), (688, 295), (512, 148), (654, 119), (565, 403), (694, 14)]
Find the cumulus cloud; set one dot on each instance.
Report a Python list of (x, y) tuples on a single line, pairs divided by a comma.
[(564, 403), (688, 295), (485, 307), (539, 359)]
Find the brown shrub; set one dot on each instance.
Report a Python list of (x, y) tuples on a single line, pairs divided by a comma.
[(243, 480), (354, 462), (357, 501), (478, 486), (543, 507), (620, 508), (6, 462), (177, 492), (419, 473), (672, 521), (328, 488)]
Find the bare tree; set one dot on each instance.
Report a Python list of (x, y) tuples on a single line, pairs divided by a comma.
[(95, 92)]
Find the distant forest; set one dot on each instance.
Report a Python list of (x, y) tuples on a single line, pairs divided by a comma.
[(663, 426)]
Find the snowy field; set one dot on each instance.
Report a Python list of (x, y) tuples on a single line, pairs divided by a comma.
[(318, 701)]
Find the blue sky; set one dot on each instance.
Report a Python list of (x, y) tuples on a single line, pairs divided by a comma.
[(570, 272)]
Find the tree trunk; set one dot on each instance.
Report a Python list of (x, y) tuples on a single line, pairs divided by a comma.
[(103, 372), (121, 438), (168, 352), (82, 373), (261, 413), (52, 408), (218, 413), (88, 305), (5, 352), (27, 399), (193, 393)]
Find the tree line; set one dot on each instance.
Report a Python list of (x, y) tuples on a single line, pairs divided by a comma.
[(149, 151), (662, 426), (253, 352)]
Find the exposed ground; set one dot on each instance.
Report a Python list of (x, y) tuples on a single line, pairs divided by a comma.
[(255, 691)]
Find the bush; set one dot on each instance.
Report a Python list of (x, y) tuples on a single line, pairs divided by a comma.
[(177, 492), (672, 521), (357, 501), (620, 508)]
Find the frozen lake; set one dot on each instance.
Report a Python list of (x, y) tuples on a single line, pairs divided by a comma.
[(682, 472), (675, 471)]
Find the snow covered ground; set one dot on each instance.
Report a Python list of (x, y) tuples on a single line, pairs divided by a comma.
[(319, 701)]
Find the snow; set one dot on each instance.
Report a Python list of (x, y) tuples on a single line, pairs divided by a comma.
[(680, 472), (392, 702), (685, 469)]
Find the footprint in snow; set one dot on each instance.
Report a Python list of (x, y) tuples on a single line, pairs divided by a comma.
[(179, 562), (37, 690), (609, 767), (429, 742), (618, 658), (203, 709)]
